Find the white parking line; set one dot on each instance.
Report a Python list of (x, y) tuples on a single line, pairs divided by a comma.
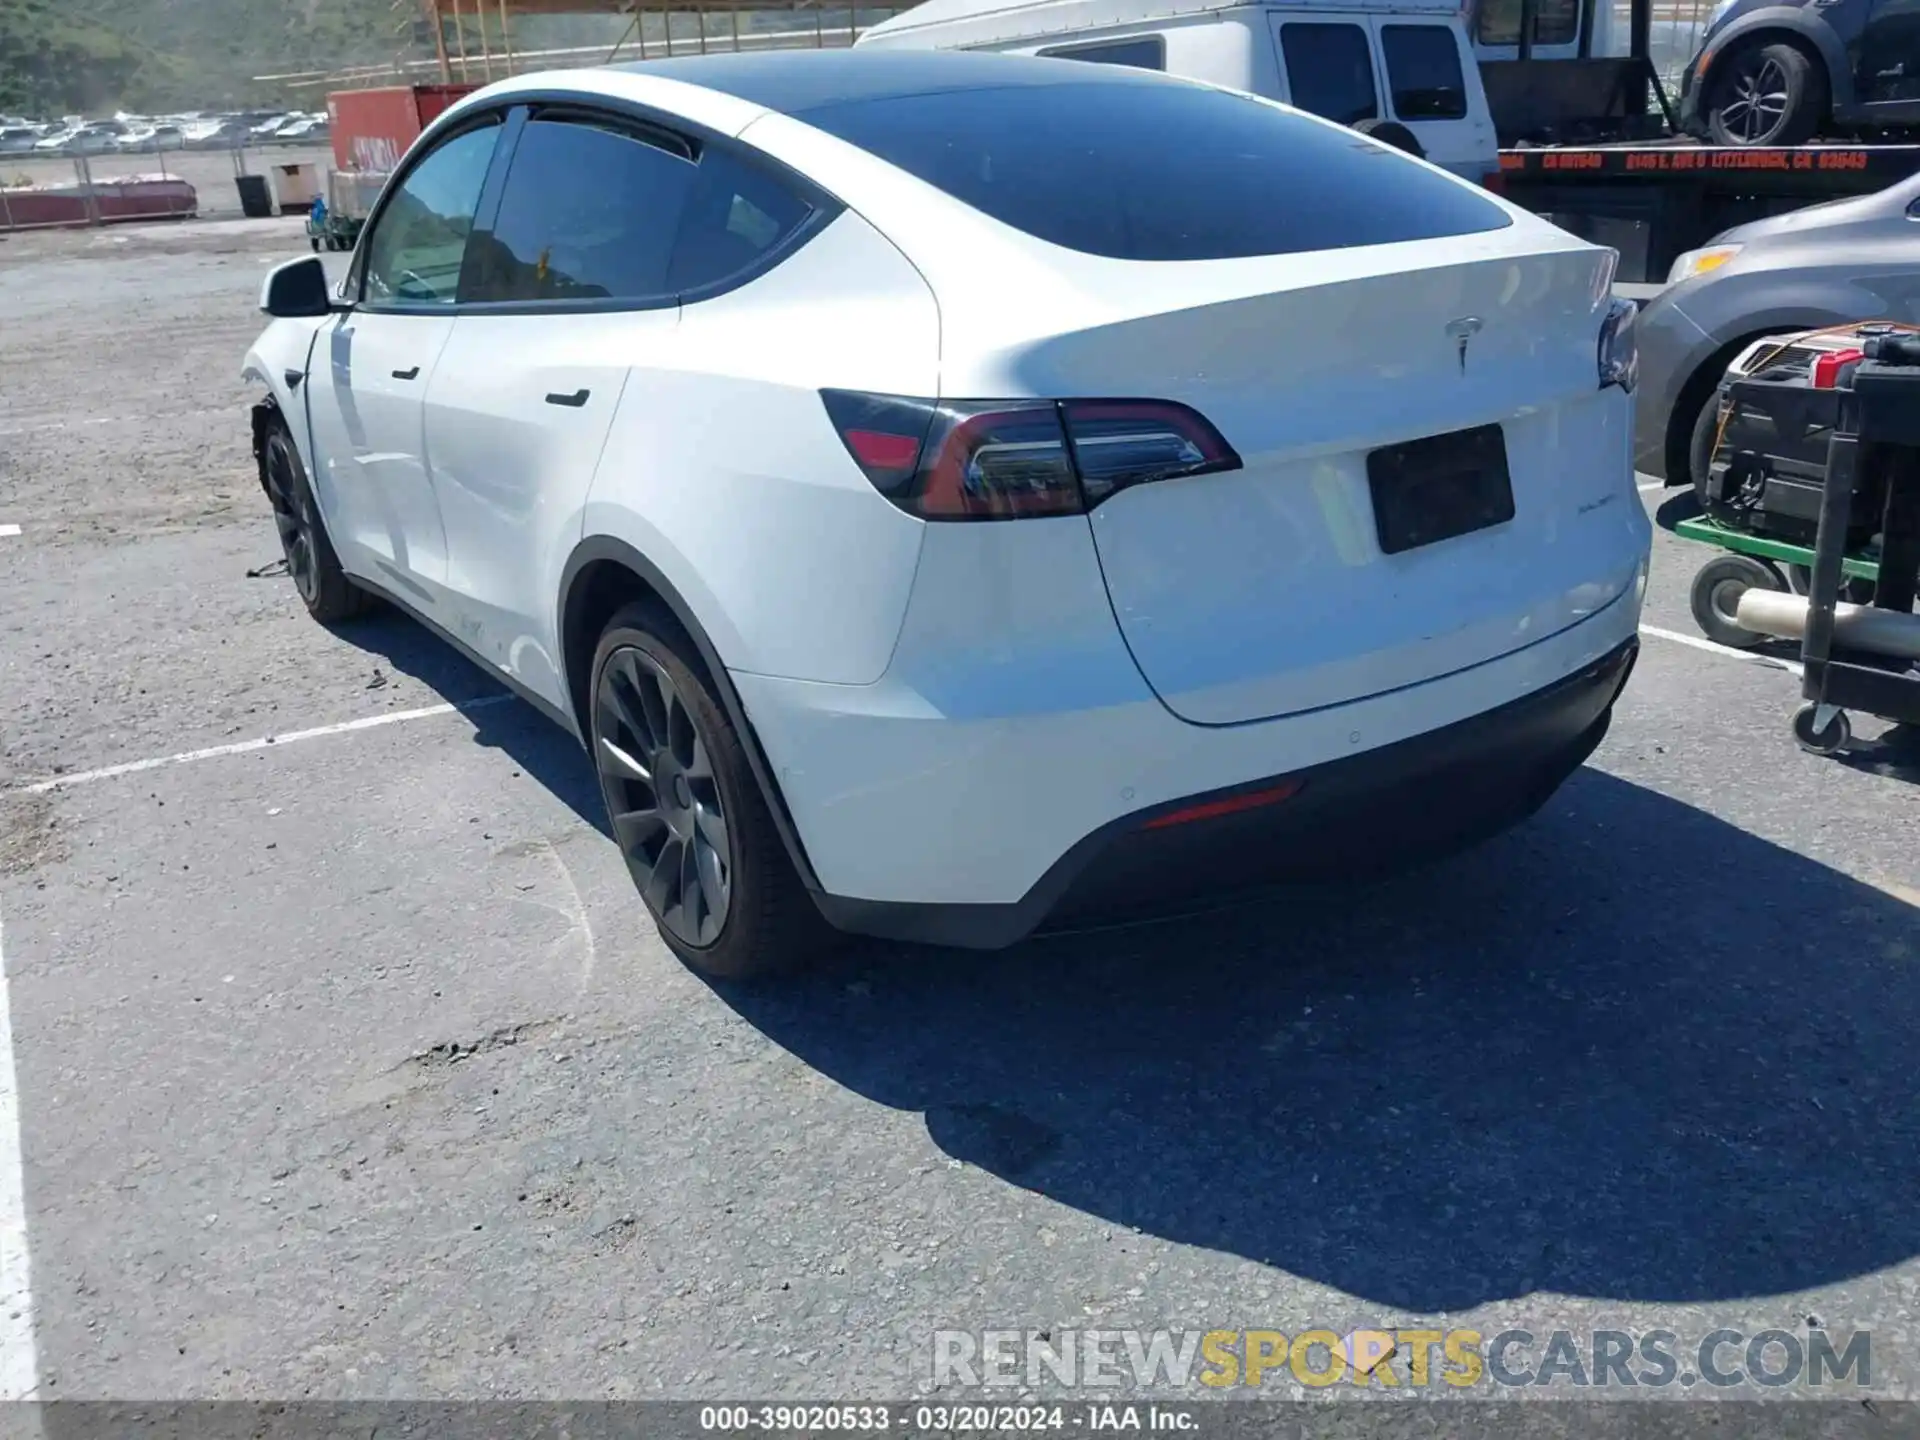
[(19, 1367), (1652, 486), (241, 747), (6, 530), (1771, 662), (427, 712)]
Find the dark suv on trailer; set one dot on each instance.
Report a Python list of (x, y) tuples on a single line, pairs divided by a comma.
[(1779, 72)]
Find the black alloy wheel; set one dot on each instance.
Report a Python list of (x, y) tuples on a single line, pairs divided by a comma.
[(663, 796), (1766, 94), (293, 516), (1759, 99), (312, 565)]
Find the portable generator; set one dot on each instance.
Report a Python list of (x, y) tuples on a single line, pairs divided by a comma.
[(1777, 408)]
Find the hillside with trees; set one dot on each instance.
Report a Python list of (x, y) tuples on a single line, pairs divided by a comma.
[(61, 56)]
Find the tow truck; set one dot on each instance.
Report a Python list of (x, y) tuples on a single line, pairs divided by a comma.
[(1591, 142)]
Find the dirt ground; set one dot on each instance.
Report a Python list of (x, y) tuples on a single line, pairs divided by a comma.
[(123, 421), (158, 312)]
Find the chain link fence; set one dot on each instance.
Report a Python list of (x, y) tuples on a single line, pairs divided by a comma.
[(148, 182)]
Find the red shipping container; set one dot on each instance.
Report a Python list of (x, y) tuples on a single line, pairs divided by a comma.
[(373, 128)]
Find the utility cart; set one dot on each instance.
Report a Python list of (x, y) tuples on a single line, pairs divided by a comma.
[(1759, 479), (1860, 656), (329, 230)]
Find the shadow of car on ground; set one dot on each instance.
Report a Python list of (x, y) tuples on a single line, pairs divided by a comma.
[(1625, 1051)]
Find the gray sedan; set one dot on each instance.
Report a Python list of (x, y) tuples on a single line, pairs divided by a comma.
[(1829, 264)]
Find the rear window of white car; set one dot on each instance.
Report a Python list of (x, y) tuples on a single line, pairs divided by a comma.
[(1160, 171)]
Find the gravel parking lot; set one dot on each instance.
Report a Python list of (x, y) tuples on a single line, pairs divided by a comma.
[(348, 1066)]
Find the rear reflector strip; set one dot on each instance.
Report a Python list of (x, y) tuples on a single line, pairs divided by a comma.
[(1230, 805), (884, 452)]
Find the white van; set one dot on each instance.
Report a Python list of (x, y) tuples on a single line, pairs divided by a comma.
[(1374, 64)]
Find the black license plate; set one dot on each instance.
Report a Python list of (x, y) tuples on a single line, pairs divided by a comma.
[(1439, 487)]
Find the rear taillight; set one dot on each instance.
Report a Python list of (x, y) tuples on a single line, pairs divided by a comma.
[(1010, 459), (1494, 180)]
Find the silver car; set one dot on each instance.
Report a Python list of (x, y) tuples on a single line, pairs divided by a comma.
[(1832, 264)]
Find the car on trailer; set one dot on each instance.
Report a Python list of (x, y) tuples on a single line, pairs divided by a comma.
[(1593, 141), (1781, 72)]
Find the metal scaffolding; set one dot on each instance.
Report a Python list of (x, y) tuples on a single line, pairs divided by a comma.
[(465, 52)]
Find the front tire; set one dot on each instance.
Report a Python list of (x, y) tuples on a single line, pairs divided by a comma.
[(312, 565), (1765, 95), (686, 811), (1706, 428)]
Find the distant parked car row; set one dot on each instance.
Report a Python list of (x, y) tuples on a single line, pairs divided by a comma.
[(132, 134)]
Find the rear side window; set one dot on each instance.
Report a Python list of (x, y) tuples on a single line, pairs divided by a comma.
[(1147, 52), (1555, 22), (1423, 72), (1330, 71), (1143, 169), (590, 212), (737, 215)]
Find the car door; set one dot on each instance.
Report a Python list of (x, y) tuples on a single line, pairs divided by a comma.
[(370, 368), (1432, 89), (1887, 60), (565, 292), (572, 297)]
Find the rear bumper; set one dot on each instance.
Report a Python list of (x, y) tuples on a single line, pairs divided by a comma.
[(1371, 813)]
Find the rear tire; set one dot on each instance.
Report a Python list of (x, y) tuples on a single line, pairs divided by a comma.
[(312, 565), (1765, 94), (686, 811), (1392, 132)]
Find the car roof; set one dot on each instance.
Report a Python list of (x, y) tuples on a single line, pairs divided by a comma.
[(792, 82)]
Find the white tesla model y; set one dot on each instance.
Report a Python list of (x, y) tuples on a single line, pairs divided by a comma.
[(951, 493)]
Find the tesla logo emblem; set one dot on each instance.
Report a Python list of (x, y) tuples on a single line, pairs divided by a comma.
[(1461, 332)]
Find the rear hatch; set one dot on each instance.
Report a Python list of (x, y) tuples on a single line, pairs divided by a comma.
[(1326, 569), (1309, 293)]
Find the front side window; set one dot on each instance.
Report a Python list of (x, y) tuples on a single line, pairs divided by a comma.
[(1138, 167), (415, 249), (1148, 52), (1330, 71), (589, 212), (1423, 72)]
